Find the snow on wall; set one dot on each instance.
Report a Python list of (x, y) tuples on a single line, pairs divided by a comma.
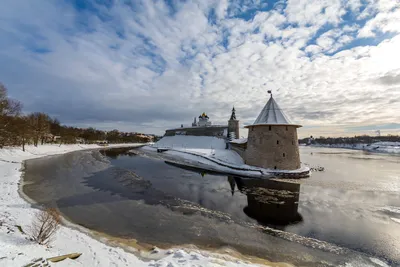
[(187, 141)]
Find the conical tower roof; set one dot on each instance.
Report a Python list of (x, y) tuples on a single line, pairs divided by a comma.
[(272, 114)]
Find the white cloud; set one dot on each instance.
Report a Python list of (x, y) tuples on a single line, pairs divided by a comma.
[(315, 12), (170, 67), (386, 20)]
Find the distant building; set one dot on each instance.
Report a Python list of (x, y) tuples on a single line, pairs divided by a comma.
[(50, 138), (203, 120), (101, 142), (145, 138), (204, 127), (272, 140), (79, 140)]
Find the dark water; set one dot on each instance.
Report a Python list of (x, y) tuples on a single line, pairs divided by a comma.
[(160, 203)]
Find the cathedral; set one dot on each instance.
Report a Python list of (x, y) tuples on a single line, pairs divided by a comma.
[(202, 126)]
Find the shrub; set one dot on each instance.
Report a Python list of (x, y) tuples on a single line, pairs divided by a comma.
[(44, 225)]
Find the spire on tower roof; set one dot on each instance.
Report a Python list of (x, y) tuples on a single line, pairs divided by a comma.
[(233, 115), (272, 114)]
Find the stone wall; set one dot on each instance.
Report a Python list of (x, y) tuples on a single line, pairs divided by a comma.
[(217, 131), (238, 148), (273, 147)]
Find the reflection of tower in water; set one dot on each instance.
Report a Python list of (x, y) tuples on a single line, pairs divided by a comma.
[(271, 202), (232, 183)]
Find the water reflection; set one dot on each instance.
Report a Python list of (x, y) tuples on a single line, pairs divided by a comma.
[(269, 202), (114, 153)]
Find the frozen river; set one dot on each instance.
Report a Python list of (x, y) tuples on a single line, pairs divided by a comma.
[(348, 213)]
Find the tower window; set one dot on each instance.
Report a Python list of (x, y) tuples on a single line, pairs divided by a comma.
[(277, 142), (287, 128), (270, 127), (292, 142), (275, 167), (284, 155)]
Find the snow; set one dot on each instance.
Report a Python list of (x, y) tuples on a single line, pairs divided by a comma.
[(395, 219), (207, 146), (239, 141), (192, 142), (381, 147), (209, 153), (17, 250)]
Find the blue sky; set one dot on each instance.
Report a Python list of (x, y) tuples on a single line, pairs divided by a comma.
[(333, 65)]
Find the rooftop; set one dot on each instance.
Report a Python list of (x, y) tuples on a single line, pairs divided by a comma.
[(272, 114)]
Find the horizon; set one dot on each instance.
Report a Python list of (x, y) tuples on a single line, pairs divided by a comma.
[(146, 66)]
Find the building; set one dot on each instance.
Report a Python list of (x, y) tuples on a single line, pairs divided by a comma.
[(233, 126), (272, 141), (204, 127), (203, 120)]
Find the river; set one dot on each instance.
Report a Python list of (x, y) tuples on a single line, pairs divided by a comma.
[(348, 213)]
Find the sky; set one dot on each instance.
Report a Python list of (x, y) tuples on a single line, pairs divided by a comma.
[(332, 65)]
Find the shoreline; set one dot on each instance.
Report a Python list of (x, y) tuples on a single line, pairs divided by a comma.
[(66, 222), (85, 239), (389, 148)]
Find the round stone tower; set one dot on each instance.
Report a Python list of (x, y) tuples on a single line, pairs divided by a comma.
[(272, 141)]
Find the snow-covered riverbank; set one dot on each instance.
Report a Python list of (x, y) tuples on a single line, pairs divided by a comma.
[(378, 147), (17, 250)]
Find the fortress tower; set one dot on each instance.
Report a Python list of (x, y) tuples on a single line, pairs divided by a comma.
[(272, 141), (233, 125)]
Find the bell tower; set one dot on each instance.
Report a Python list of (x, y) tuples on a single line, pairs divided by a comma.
[(233, 126)]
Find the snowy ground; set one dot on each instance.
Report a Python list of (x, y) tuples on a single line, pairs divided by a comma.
[(209, 153), (17, 250), (381, 147)]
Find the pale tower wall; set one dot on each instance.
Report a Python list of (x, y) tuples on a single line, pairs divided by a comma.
[(273, 147)]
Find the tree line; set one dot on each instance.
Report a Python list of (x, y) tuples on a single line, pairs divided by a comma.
[(18, 129), (361, 139)]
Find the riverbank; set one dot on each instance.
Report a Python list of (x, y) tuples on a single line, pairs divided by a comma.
[(378, 147), (17, 250)]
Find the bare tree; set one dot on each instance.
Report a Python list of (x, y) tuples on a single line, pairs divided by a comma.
[(16, 129), (22, 130), (40, 124), (44, 225), (9, 108)]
